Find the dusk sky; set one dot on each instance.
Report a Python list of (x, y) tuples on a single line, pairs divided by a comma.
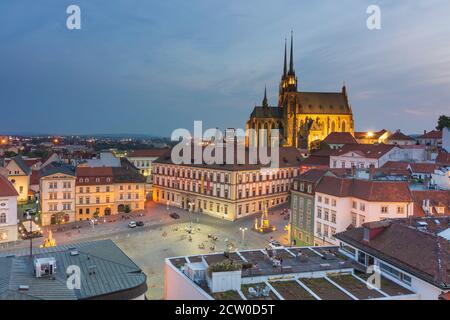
[(149, 67)]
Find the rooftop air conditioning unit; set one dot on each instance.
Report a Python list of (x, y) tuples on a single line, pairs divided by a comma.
[(44, 267)]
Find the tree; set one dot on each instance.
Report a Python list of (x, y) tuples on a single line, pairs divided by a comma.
[(59, 217), (10, 154), (443, 122)]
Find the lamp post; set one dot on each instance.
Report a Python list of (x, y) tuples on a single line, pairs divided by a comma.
[(30, 219), (243, 229), (190, 215)]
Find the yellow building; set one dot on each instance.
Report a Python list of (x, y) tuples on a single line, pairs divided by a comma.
[(19, 175), (57, 193), (104, 191), (303, 118)]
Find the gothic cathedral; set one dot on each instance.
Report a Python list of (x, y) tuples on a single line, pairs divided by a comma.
[(303, 118)]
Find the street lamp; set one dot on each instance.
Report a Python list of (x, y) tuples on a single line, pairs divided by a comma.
[(190, 204), (30, 219), (243, 229)]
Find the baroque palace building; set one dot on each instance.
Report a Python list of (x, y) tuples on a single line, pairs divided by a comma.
[(228, 191), (303, 118)]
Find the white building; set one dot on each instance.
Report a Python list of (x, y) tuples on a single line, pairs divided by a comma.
[(341, 202), (400, 139), (364, 155), (432, 138), (143, 160), (441, 178), (446, 139), (409, 252), (293, 273), (8, 211)]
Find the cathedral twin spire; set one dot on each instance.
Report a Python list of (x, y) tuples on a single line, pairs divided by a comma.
[(288, 79), (291, 58)]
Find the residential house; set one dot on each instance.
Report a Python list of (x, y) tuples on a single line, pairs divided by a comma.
[(335, 140), (432, 138), (362, 155), (8, 211), (301, 231), (422, 171), (19, 175), (143, 160), (431, 203), (414, 253), (401, 139), (343, 202), (57, 193)]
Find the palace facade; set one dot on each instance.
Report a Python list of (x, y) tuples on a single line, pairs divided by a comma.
[(303, 118), (227, 191)]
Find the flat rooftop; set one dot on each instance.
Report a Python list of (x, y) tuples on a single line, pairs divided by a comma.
[(292, 279), (294, 260)]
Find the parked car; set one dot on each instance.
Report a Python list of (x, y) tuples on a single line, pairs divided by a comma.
[(140, 223), (274, 244), (175, 215), (132, 224)]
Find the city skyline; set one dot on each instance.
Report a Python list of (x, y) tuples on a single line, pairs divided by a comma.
[(134, 72)]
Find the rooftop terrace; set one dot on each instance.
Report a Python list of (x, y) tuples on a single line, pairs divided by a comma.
[(307, 273)]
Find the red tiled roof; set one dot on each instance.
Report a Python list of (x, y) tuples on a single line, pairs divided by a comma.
[(438, 198), (400, 165), (89, 175), (151, 153), (423, 167), (435, 134), (423, 254), (399, 136), (340, 138), (6, 188), (31, 162), (445, 296), (371, 151), (443, 159), (312, 175), (369, 190), (316, 161)]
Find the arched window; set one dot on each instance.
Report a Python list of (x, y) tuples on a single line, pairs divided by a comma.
[(3, 218), (333, 126), (343, 126)]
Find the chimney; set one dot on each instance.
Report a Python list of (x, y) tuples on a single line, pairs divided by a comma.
[(371, 171), (424, 132), (373, 229)]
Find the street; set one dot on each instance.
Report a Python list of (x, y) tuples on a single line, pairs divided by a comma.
[(163, 236)]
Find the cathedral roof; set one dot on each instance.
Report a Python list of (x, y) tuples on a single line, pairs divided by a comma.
[(310, 103), (323, 103), (267, 112)]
